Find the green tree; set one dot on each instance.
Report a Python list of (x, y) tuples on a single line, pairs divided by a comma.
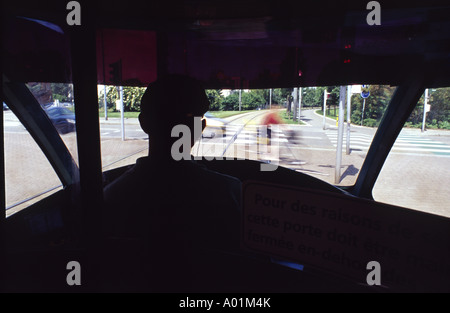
[(215, 99), (285, 94), (131, 98), (277, 97), (254, 99), (376, 104), (62, 92), (313, 96), (111, 96), (250, 100), (42, 92), (230, 103), (439, 101)]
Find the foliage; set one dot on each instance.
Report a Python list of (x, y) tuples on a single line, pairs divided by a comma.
[(62, 92), (215, 99), (370, 122), (249, 100), (131, 98), (440, 106), (439, 114), (313, 96), (356, 116), (254, 99), (230, 103), (375, 105), (48, 92)]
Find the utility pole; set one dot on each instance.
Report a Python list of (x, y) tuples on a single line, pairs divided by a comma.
[(104, 100), (295, 95), (299, 104), (240, 99), (426, 109), (340, 139), (325, 95), (122, 123), (270, 98)]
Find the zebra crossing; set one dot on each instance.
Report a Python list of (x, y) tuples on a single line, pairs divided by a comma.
[(413, 143), (358, 141), (405, 143), (242, 141), (250, 133)]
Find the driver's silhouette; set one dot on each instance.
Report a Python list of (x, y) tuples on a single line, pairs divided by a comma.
[(174, 207)]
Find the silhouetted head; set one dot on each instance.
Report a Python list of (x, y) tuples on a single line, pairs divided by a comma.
[(170, 101)]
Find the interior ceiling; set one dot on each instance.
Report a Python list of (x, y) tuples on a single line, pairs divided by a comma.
[(238, 44)]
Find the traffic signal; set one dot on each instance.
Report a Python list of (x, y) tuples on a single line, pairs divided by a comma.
[(346, 53), (116, 72)]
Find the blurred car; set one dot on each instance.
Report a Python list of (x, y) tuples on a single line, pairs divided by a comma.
[(214, 126), (62, 118)]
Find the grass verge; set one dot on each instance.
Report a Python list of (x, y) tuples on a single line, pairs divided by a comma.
[(112, 114), (286, 117), (223, 114)]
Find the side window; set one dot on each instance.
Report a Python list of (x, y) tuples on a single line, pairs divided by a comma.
[(122, 141), (28, 174), (56, 99), (416, 173)]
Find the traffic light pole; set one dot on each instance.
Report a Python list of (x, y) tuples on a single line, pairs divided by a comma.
[(324, 108), (340, 139), (122, 124), (299, 104), (106, 105), (295, 104), (349, 99)]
